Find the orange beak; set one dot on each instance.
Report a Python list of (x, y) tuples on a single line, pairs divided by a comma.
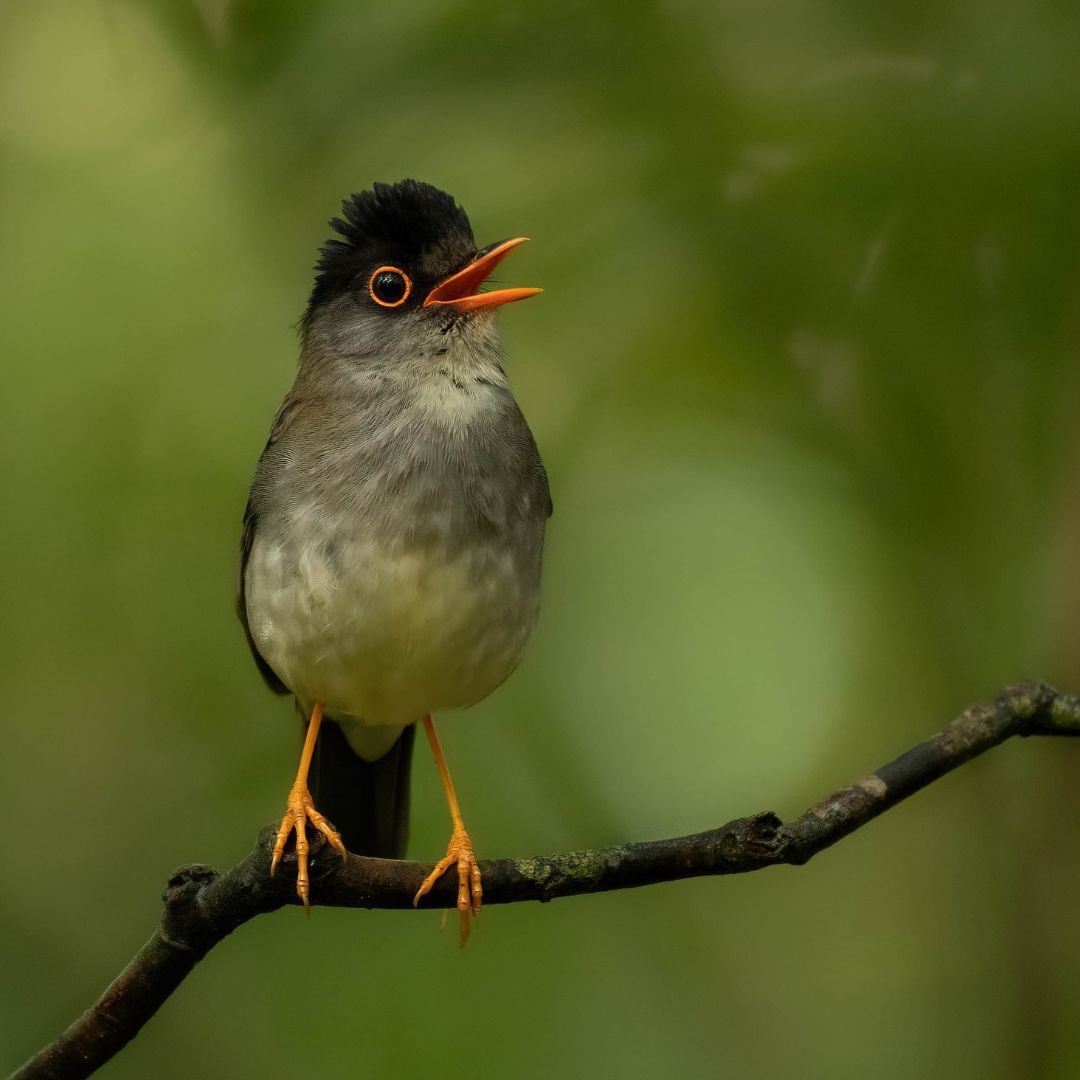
[(459, 290)]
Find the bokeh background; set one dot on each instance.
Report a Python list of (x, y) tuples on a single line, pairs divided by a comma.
[(805, 377)]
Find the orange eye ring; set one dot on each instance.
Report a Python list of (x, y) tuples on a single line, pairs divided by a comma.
[(389, 270)]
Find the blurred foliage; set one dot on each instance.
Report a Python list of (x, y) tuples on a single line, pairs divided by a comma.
[(805, 375)]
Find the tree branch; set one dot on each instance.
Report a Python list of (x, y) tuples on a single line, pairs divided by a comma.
[(202, 907)]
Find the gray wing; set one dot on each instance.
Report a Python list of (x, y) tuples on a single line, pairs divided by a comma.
[(247, 539)]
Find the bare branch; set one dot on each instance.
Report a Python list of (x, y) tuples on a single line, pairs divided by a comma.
[(202, 907)]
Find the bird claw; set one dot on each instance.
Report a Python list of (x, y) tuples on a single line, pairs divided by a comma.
[(470, 891), (300, 809)]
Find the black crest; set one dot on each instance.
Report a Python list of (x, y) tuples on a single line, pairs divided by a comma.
[(409, 224)]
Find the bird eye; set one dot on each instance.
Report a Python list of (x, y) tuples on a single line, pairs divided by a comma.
[(389, 286)]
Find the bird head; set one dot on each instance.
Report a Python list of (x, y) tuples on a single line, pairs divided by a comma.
[(406, 275)]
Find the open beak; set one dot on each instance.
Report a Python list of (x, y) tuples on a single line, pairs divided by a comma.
[(459, 290)]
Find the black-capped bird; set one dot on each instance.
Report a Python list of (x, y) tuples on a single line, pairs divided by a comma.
[(390, 560)]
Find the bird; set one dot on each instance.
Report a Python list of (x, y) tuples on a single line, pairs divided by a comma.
[(392, 542)]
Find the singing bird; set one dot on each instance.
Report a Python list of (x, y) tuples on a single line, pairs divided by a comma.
[(392, 541)]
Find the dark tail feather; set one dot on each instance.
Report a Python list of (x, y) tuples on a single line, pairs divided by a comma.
[(366, 801)]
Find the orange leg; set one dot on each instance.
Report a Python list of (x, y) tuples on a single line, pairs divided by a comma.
[(300, 809), (459, 850)]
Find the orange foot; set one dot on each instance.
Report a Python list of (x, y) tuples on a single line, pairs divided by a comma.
[(470, 893), (300, 810)]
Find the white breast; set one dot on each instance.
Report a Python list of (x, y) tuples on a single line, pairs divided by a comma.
[(387, 637)]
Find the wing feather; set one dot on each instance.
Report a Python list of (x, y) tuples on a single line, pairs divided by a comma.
[(281, 424)]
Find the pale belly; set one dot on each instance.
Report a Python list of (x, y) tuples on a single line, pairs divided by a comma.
[(385, 638)]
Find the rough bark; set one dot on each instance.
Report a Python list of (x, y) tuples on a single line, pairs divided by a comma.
[(203, 906)]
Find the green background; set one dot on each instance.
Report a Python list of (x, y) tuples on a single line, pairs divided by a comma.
[(805, 378)]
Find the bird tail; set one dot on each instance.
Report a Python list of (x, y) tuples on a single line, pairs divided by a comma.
[(366, 801)]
